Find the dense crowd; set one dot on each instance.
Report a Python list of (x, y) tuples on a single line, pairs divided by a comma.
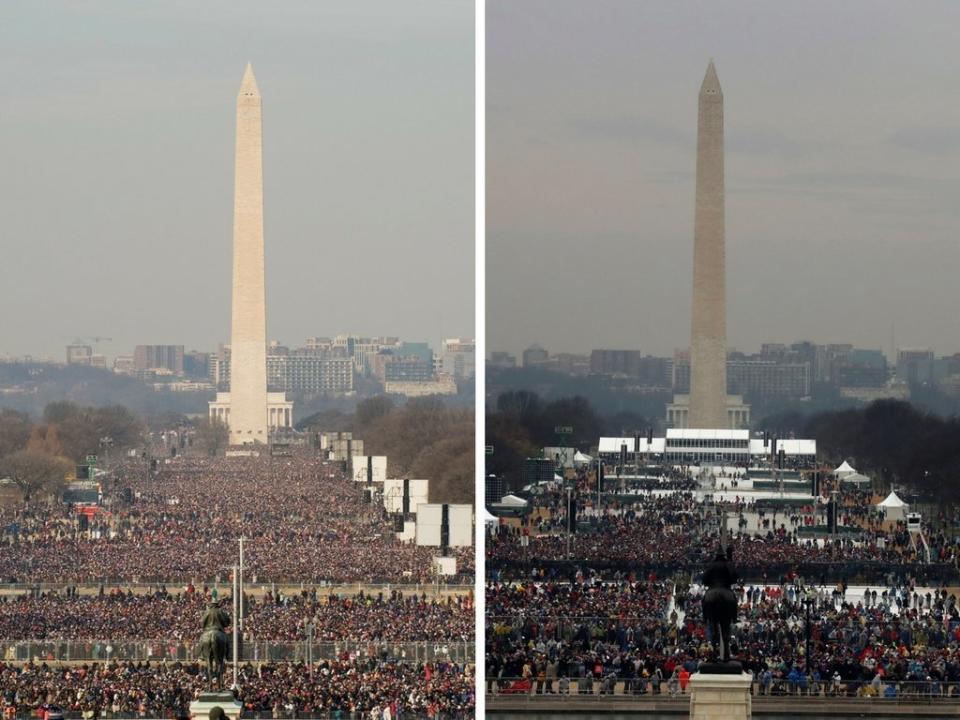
[(675, 529), (303, 520), (634, 636), (346, 687), (161, 615)]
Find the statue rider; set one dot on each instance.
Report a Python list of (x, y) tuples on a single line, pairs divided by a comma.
[(214, 644), (719, 601), (215, 617)]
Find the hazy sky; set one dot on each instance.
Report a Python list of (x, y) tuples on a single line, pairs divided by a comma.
[(842, 171), (116, 169)]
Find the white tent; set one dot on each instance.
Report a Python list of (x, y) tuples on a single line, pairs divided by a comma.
[(892, 501), (582, 458), (844, 469), (855, 478), (513, 501), (489, 518), (893, 507)]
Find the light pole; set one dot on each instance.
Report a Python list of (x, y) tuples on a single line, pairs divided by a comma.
[(309, 653), (599, 479), (240, 582), (808, 601), (569, 520), (236, 604)]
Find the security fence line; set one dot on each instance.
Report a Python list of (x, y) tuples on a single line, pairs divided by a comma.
[(855, 572), (145, 585), (533, 689), (252, 651), (252, 715)]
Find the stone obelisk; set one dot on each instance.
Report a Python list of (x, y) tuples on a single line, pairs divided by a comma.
[(708, 351), (248, 341)]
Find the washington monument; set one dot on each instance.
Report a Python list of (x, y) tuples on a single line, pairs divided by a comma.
[(248, 341), (708, 342)]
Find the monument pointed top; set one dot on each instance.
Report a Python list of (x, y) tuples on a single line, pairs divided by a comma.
[(248, 86), (711, 83)]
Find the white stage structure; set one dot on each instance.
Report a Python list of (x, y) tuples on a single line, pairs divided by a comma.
[(404, 495), (445, 525), (368, 468)]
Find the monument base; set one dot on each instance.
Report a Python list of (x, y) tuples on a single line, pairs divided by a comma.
[(200, 708), (720, 696), (731, 667)]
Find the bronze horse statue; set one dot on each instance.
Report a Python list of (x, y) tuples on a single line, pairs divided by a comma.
[(720, 602), (214, 645)]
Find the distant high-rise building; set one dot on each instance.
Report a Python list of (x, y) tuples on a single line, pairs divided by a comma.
[(571, 363), (535, 355), (918, 365), (298, 373), (318, 344), (616, 362), (389, 367), (503, 360), (157, 357), (766, 379), (458, 358), (302, 373), (756, 376), (196, 364)]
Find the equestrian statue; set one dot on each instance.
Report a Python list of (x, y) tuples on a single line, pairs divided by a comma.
[(720, 603), (214, 645)]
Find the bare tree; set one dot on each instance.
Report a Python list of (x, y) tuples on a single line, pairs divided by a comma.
[(212, 435), (14, 431), (35, 472)]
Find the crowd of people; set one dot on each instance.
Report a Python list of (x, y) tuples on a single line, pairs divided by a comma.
[(302, 518), (172, 532), (162, 615), (616, 606), (346, 687), (667, 530), (633, 637)]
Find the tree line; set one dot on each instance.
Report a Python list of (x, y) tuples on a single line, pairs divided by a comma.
[(522, 424), (424, 438), (37, 455), (893, 440)]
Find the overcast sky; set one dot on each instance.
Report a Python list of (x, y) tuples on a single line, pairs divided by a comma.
[(842, 171), (116, 169)]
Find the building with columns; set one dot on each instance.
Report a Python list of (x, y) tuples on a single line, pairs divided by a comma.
[(279, 410), (737, 417)]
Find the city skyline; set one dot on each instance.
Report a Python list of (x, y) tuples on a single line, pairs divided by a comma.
[(211, 348), (731, 349), (841, 169), (118, 142)]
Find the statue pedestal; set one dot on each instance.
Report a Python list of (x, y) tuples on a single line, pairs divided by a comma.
[(720, 696), (200, 708)]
